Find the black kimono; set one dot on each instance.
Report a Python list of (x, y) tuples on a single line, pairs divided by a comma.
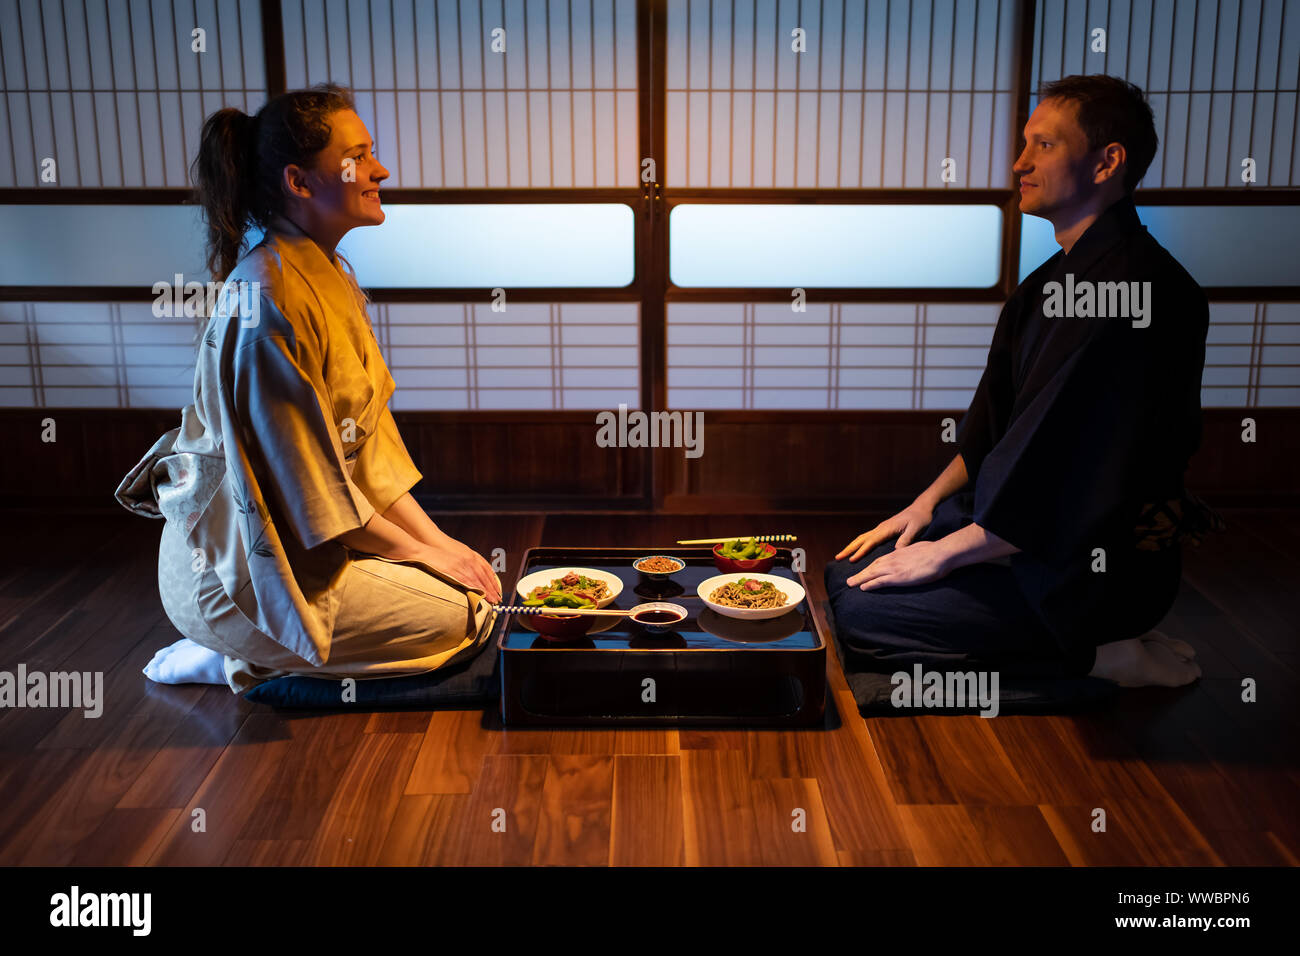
[(1077, 424)]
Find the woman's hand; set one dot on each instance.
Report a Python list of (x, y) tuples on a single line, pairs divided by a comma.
[(916, 564), (441, 550), (907, 524), (465, 565)]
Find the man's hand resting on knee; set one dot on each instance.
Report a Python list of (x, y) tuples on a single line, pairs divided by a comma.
[(917, 563), (924, 561), (907, 524), (913, 519)]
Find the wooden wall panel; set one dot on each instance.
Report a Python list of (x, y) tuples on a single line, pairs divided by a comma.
[(539, 460)]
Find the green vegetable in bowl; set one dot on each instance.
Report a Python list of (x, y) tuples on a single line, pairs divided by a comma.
[(559, 599), (743, 549), (573, 590)]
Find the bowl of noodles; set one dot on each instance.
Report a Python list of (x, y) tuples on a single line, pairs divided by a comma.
[(749, 596)]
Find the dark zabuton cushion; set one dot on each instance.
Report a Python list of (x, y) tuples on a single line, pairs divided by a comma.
[(1016, 695), (468, 684), (873, 692)]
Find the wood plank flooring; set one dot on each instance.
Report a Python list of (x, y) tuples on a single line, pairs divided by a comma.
[(194, 775)]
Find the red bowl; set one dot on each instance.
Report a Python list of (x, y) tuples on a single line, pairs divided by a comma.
[(752, 565), (561, 625)]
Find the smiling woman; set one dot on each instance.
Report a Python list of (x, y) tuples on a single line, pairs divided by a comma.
[(305, 156), (292, 542)]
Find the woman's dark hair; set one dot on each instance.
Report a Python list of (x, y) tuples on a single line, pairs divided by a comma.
[(241, 161), (1111, 110)]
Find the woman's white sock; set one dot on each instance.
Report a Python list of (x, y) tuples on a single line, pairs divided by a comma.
[(186, 663)]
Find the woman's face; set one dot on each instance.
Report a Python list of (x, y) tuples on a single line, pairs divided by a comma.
[(343, 187)]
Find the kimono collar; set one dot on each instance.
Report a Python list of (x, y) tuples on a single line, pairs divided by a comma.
[(325, 272), (1118, 221)]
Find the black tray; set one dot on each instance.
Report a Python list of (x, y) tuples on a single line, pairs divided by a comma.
[(708, 670)]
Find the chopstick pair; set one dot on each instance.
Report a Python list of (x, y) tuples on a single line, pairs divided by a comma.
[(756, 537), (519, 609)]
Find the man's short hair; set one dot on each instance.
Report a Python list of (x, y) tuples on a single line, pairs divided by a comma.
[(1111, 110)]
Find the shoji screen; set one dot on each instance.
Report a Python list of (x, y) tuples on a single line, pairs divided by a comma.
[(549, 101), (881, 93), (879, 96), (1221, 77), (115, 92)]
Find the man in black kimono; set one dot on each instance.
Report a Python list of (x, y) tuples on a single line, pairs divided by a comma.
[(1033, 553)]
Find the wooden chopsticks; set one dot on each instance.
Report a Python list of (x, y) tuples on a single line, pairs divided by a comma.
[(520, 609), (756, 537)]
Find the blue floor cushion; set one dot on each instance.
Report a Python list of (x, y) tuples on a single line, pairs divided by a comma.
[(874, 692), (473, 683)]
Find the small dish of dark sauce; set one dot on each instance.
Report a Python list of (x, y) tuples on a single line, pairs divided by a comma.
[(658, 616)]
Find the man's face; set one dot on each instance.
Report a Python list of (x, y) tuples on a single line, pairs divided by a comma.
[(1056, 168)]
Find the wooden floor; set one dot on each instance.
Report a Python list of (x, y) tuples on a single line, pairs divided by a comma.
[(1186, 777)]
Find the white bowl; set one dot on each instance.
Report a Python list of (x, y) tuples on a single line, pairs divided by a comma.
[(539, 578), (793, 594)]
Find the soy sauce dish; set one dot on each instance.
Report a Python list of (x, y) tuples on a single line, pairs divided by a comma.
[(658, 616)]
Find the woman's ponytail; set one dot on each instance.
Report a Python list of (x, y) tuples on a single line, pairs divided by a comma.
[(225, 175)]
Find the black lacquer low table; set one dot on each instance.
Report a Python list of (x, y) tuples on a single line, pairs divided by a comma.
[(707, 670)]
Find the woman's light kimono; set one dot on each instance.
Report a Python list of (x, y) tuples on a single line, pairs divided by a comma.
[(290, 443)]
